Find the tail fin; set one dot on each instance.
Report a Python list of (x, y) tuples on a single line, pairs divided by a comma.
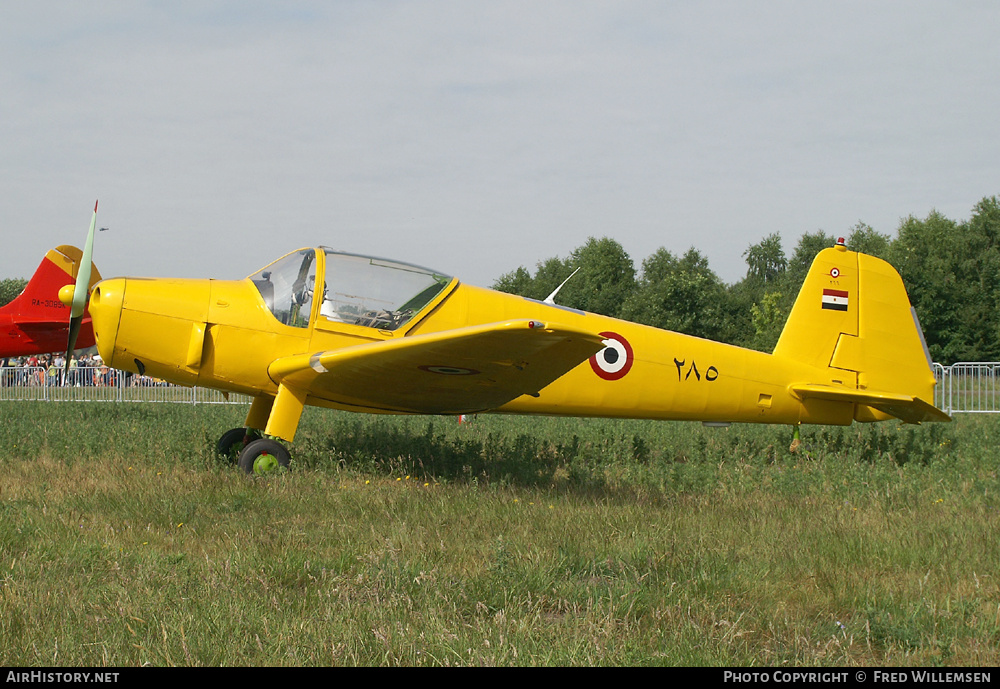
[(853, 318), (40, 296), (39, 319)]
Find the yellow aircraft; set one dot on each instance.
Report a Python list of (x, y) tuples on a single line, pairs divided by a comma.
[(351, 332)]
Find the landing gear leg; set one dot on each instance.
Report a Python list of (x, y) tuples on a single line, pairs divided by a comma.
[(259, 411), (234, 441), (279, 417)]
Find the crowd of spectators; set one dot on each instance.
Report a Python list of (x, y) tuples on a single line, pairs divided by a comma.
[(50, 369)]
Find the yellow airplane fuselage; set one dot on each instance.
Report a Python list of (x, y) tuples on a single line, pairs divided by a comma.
[(670, 375), (468, 349)]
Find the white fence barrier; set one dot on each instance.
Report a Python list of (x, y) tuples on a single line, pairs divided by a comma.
[(971, 387), (964, 387), (940, 387), (101, 384)]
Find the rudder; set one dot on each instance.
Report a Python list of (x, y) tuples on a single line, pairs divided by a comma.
[(853, 318)]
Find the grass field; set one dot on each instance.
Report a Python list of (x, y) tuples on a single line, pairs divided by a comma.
[(504, 541)]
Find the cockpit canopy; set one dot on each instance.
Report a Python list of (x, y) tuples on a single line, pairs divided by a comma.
[(355, 289)]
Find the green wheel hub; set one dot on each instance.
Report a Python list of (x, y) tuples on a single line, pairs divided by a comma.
[(264, 456), (265, 464)]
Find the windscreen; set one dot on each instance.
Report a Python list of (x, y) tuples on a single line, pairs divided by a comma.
[(287, 287), (376, 292)]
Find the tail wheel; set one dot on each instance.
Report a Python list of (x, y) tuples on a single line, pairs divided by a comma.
[(264, 456)]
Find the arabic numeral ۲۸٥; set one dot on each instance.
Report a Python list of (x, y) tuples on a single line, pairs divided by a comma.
[(711, 373)]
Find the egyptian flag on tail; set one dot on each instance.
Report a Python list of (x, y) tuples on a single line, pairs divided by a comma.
[(835, 299)]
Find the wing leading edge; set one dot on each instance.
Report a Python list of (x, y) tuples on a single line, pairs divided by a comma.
[(457, 371)]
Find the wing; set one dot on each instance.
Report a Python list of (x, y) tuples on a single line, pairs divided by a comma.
[(457, 371), (904, 407)]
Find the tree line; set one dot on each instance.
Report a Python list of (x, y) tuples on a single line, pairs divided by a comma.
[(10, 288), (951, 270)]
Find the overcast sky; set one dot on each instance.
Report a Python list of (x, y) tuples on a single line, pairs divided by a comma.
[(474, 137)]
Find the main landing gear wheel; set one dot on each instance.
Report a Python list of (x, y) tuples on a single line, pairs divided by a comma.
[(233, 441), (264, 456)]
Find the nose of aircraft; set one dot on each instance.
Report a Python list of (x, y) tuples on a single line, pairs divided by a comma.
[(105, 312)]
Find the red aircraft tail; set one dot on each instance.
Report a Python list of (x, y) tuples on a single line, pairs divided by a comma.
[(36, 322)]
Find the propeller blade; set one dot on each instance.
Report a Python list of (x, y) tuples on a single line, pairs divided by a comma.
[(81, 288)]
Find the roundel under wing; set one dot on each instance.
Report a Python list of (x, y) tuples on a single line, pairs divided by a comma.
[(615, 360), (449, 370)]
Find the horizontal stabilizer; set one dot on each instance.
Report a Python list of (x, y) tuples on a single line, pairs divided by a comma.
[(904, 407)]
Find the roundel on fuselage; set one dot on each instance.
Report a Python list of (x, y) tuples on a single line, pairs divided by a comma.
[(615, 360)]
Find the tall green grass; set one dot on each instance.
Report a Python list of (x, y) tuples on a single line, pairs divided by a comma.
[(125, 541)]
